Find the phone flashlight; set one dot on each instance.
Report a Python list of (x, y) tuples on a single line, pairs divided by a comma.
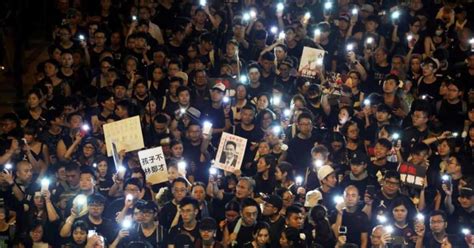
[(307, 15), (182, 111), (129, 197), (424, 97), (253, 14), (366, 102), (420, 217), (274, 29), (243, 79), (328, 5), (466, 231), (369, 40), (281, 35), (126, 224), (350, 47), (280, 7), (354, 11), (445, 178), (409, 37), (287, 112), (246, 16), (276, 100), (94, 165), (182, 165), (202, 2), (455, 134), (381, 218), (85, 127), (212, 171), (226, 99), (395, 136), (389, 229), (81, 37), (91, 233), (81, 200), (8, 166), (317, 32), (338, 199), (134, 17), (276, 130), (299, 180), (395, 15), (318, 163), (44, 184)]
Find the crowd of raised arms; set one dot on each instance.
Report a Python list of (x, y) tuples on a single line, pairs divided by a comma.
[(373, 148)]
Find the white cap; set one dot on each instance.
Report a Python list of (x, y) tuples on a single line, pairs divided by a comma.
[(324, 171)]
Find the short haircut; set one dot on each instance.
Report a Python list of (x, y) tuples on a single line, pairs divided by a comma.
[(293, 209), (439, 212), (88, 170), (71, 166), (385, 143), (187, 200), (419, 148), (179, 179), (392, 174), (249, 202), (305, 115), (249, 181), (134, 181)]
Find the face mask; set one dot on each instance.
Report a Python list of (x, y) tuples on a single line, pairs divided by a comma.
[(439, 32)]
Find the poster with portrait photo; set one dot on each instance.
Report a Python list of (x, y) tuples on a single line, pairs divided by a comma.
[(230, 152)]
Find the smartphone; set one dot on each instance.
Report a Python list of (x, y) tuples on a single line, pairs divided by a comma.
[(91, 233), (343, 230), (370, 190)]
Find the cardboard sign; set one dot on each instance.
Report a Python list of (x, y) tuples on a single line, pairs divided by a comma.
[(311, 62), (230, 153), (125, 134), (412, 175), (154, 165)]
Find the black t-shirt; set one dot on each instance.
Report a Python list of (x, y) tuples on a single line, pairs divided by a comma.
[(178, 230), (107, 228), (244, 236), (252, 136), (276, 228), (374, 169), (431, 89), (299, 152), (356, 224), (430, 241), (375, 79)]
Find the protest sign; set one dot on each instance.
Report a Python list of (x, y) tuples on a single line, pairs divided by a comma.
[(412, 175), (125, 134), (154, 165), (230, 152), (311, 62)]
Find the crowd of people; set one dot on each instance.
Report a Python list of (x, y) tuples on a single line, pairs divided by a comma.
[(373, 148)]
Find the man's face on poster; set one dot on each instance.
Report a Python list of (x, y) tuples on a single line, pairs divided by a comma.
[(230, 150)]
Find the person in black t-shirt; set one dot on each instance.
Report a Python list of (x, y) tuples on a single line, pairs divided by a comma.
[(352, 218), (189, 209), (379, 165), (436, 236), (240, 232)]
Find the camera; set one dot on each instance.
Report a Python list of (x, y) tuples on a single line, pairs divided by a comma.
[(343, 230)]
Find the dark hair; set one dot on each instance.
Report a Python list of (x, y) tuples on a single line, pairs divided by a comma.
[(161, 118), (232, 206), (439, 212), (261, 225), (249, 202), (346, 126), (403, 201), (392, 174), (232, 143), (133, 181), (419, 148), (385, 143), (189, 200), (80, 224), (293, 209), (181, 89), (288, 168), (305, 115), (88, 170), (179, 179)]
